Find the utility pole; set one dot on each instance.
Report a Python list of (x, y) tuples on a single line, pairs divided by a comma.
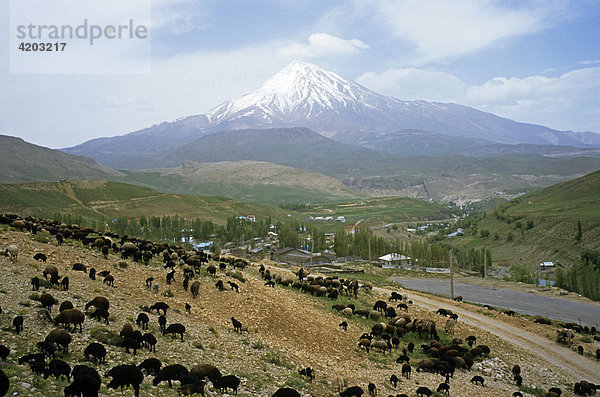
[(451, 277)]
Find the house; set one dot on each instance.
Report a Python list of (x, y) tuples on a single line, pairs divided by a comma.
[(457, 233), (340, 219), (546, 265), (251, 218), (292, 255), (394, 260)]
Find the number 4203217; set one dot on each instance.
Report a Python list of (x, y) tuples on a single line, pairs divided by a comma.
[(42, 46)]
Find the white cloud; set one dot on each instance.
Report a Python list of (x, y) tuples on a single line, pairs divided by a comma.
[(439, 30), (413, 84), (568, 101), (323, 44)]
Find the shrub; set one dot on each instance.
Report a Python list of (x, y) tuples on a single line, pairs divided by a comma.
[(168, 293), (123, 264), (509, 237), (106, 336), (198, 345), (529, 224), (34, 296), (484, 233), (238, 276), (42, 237)]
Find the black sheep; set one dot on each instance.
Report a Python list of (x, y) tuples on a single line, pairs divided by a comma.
[(195, 288), (64, 283), (4, 352), (170, 276), (580, 349), (58, 368), (186, 283), (35, 284), (234, 286), (237, 326), (518, 380), (86, 382), (308, 372), (101, 314), (356, 391), (149, 281), (158, 306), (142, 320), (18, 324), (47, 349), (39, 357), (151, 366), (424, 391), (344, 325), (478, 380), (47, 301), (175, 328), (130, 342), (66, 305), (212, 270), (219, 285), (227, 382), (80, 267), (170, 373), (188, 307), (149, 341), (162, 322), (4, 384), (286, 392), (372, 389), (100, 302), (444, 388), (125, 375), (97, 351), (394, 380), (40, 257), (109, 280), (92, 274)]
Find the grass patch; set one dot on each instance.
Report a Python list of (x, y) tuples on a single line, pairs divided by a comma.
[(198, 345), (533, 391), (238, 276), (258, 345), (42, 237), (168, 293), (106, 336)]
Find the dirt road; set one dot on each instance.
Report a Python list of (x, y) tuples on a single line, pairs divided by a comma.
[(562, 358)]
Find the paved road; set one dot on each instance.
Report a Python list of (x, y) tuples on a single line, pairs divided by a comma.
[(522, 302)]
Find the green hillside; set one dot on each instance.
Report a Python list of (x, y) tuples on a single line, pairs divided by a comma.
[(251, 181), (24, 162), (542, 226), (105, 199)]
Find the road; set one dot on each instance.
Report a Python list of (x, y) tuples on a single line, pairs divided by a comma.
[(560, 357), (522, 302)]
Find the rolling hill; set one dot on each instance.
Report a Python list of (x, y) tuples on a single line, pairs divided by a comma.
[(543, 225), (21, 161), (105, 199), (251, 181)]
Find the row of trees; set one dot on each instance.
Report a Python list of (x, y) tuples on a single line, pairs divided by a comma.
[(582, 277)]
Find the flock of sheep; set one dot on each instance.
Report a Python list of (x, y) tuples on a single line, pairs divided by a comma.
[(392, 321)]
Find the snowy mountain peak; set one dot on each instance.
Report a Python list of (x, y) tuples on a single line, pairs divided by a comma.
[(300, 89)]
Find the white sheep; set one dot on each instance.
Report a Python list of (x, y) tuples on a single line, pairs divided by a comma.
[(12, 252)]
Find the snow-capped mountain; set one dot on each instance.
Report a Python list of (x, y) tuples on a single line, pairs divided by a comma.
[(306, 95)]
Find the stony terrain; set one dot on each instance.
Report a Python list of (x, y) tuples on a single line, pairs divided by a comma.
[(286, 331)]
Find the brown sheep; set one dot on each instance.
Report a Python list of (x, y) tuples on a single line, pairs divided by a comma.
[(61, 338), (70, 316)]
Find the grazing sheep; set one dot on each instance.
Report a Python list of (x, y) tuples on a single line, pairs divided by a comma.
[(365, 343), (4, 352), (40, 257), (47, 301), (66, 305), (518, 380), (170, 373), (104, 273), (516, 370), (131, 342), (308, 372), (219, 285), (394, 380), (64, 283), (60, 338), (125, 375), (189, 389), (50, 270), (92, 273), (149, 341), (70, 316), (471, 340), (170, 277), (80, 267), (12, 251), (99, 302), (162, 322), (234, 286), (449, 327), (175, 328), (372, 389), (97, 351), (355, 391), (423, 391), (151, 366), (188, 307), (58, 368), (142, 320), (227, 382), (109, 280), (344, 325), (28, 358), (4, 383), (406, 370), (286, 392), (237, 326), (149, 281), (555, 390), (35, 284), (18, 324), (443, 388), (477, 380), (209, 371), (580, 349), (100, 314), (195, 288), (158, 306), (186, 283), (86, 382), (212, 270), (598, 354)]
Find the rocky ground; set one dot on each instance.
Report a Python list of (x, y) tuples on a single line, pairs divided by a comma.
[(286, 331)]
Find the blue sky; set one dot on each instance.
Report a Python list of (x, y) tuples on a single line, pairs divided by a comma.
[(532, 61)]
